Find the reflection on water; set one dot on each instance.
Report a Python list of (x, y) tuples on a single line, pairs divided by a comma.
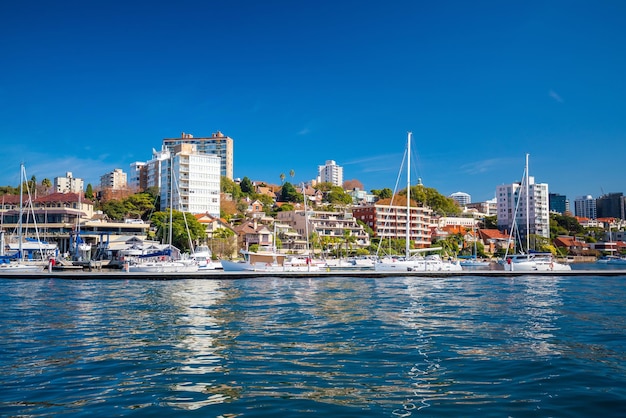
[(404, 346)]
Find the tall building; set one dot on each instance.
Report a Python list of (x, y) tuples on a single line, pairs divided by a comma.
[(217, 144), (512, 208), (114, 180), (190, 181), (68, 184), (611, 205), (558, 203), (330, 173), (137, 176), (461, 198), (585, 207)]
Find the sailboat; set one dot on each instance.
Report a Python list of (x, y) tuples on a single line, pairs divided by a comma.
[(16, 261), (529, 261), (164, 261), (430, 262), (474, 261)]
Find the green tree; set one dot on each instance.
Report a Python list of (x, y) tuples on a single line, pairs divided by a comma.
[(246, 186), (385, 193), (288, 193), (338, 196), (282, 177), (46, 184), (230, 187), (490, 222), (114, 209), (292, 173), (185, 228), (89, 192), (430, 197)]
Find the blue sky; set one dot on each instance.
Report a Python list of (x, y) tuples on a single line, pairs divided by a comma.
[(90, 86)]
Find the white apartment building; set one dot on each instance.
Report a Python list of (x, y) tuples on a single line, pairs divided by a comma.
[(330, 173), (190, 182), (461, 198), (68, 184), (585, 207), (115, 180), (511, 213)]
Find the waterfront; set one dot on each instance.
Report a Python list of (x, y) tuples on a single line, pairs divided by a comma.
[(474, 345)]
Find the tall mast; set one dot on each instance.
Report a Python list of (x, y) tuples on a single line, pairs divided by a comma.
[(19, 231), (408, 194), (527, 209)]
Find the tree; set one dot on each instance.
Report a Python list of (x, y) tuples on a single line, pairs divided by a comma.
[(230, 187), (338, 196), (185, 228), (246, 186), (430, 197), (282, 177), (385, 193), (288, 193), (352, 184), (46, 184), (292, 173), (89, 192)]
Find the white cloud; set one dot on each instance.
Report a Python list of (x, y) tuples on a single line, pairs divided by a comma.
[(555, 96)]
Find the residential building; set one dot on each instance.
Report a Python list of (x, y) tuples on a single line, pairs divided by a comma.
[(190, 182), (514, 209), (115, 180), (217, 144), (389, 221), (336, 225), (461, 198), (585, 207), (137, 176), (558, 203), (486, 208), (68, 184), (330, 173), (611, 205)]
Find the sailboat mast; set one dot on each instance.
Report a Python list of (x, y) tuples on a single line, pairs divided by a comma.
[(527, 188), (408, 194), (171, 202), (19, 229)]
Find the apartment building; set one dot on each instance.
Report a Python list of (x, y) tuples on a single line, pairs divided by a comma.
[(515, 209), (217, 144), (330, 173), (190, 181), (389, 221), (68, 184)]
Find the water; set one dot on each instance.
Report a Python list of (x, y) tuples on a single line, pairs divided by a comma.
[(341, 347)]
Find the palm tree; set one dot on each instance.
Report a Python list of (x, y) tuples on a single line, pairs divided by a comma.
[(47, 184), (292, 173), (282, 177)]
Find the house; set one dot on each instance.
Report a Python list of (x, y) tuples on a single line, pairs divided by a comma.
[(573, 245), (493, 240), (252, 232)]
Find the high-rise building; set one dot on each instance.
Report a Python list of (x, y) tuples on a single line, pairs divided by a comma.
[(461, 198), (514, 209), (137, 176), (115, 180), (585, 207), (612, 205), (330, 173), (69, 183), (558, 203), (217, 144), (190, 181)]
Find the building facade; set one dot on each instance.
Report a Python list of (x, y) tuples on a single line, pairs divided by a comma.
[(611, 205), (190, 181), (68, 184), (137, 176), (461, 198), (392, 222), (585, 207), (217, 144), (330, 173), (115, 180), (514, 210), (558, 203)]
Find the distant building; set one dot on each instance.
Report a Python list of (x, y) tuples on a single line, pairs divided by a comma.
[(190, 181), (217, 144), (486, 208), (330, 173), (512, 208), (585, 207), (558, 203), (612, 205), (461, 198), (137, 176), (115, 180), (68, 184)]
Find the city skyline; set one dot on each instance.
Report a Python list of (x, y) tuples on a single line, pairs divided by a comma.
[(92, 87)]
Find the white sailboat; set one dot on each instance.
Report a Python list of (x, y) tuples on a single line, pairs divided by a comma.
[(416, 262), (529, 261)]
